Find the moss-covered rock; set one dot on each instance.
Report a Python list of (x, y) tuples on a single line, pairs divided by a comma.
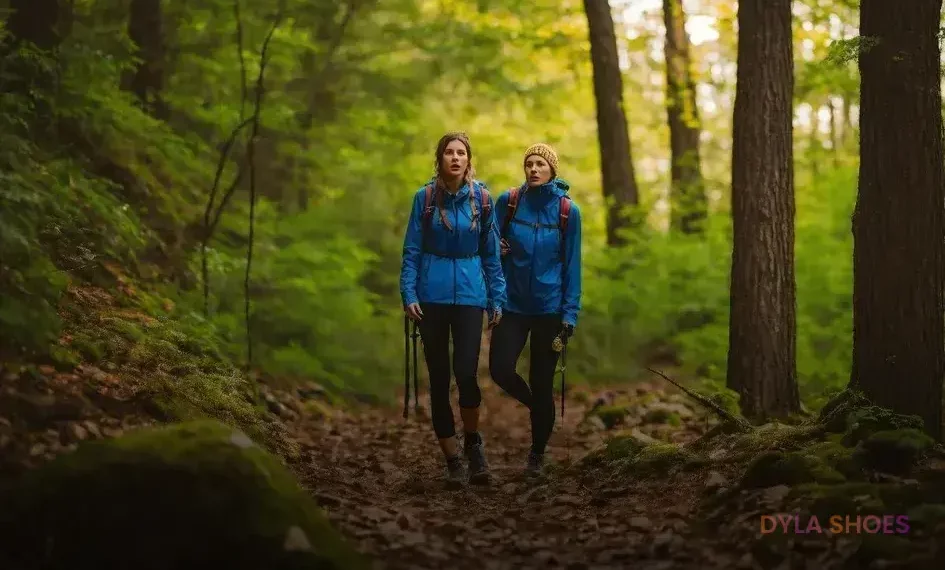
[(837, 456), (893, 451), (833, 416), (864, 422), (662, 415), (926, 516), (611, 416), (660, 458), (778, 468), (194, 495), (776, 437)]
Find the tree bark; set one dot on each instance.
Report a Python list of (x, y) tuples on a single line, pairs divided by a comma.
[(38, 22), (761, 356), (146, 30), (688, 207), (899, 219), (617, 176)]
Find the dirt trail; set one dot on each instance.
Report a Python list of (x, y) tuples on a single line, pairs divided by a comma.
[(381, 480)]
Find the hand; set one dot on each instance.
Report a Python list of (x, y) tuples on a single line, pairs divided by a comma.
[(561, 340), (414, 312), (504, 247), (567, 331), (494, 317)]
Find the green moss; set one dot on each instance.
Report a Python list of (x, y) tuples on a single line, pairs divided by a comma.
[(92, 349), (197, 495), (778, 468), (659, 459), (893, 451), (610, 415), (837, 456), (864, 422), (926, 516), (662, 416), (776, 436), (623, 446), (833, 416)]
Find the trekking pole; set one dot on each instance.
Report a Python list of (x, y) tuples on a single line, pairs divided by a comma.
[(416, 382), (406, 364), (564, 366)]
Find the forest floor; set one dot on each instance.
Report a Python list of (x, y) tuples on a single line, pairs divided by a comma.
[(638, 475), (381, 479)]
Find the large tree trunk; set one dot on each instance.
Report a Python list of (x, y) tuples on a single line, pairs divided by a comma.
[(617, 177), (687, 194), (146, 30), (899, 220), (761, 356)]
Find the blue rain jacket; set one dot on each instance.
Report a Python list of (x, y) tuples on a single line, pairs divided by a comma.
[(539, 279), (456, 267)]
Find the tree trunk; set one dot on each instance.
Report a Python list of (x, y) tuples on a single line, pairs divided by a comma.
[(761, 356), (38, 22), (617, 176), (145, 28), (899, 219), (687, 194)]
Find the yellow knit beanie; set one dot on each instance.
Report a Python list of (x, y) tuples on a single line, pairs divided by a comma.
[(544, 151)]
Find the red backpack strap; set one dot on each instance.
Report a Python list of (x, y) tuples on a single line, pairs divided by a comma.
[(564, 210), (427, 205), (510, 209), (486, 201)]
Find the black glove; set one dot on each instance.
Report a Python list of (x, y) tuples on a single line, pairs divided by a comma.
[(566, 332)]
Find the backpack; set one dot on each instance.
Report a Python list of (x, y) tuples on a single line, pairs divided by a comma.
[(429, 207), (564, 208)]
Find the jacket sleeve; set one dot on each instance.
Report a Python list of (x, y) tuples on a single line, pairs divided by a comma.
[(491, 262), (412, 253), (571, 278)]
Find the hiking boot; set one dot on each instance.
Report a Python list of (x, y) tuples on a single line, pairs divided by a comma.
[(455, 471), (534, 465), (478, 466)]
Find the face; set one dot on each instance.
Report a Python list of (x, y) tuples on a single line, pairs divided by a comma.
[(455, 159), (537, 170)]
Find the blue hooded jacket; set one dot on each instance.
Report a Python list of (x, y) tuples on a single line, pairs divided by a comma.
[(539, 279), (459, 266)]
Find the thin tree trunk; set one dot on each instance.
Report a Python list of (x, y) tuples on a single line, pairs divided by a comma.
[(761, 357), (687, 194), (617, 176), (899, 220), (146, 30)]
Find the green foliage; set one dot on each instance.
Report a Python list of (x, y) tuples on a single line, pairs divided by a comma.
[(354, 102)]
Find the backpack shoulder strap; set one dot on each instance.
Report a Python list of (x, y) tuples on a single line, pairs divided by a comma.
[(485, 200), (564, 210), (427, 205), (510, 209)]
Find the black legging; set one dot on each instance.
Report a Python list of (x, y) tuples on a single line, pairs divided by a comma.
[(508, 341), (465, 324)]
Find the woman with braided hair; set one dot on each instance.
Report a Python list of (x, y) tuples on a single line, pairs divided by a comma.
[(541, 256), (450, 275)]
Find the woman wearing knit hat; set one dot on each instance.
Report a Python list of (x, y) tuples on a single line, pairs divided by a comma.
[(450, 274), (541, 249)]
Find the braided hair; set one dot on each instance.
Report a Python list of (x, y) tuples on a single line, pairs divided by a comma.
[(439, 185)]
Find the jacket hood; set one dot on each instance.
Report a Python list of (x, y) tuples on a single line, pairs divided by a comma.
[(555, 186)]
